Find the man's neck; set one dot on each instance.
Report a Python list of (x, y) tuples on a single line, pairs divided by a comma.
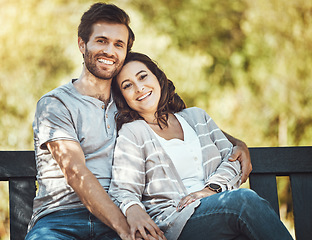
[(89, 85)]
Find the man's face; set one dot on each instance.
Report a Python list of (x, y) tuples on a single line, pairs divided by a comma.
[(106, 49)]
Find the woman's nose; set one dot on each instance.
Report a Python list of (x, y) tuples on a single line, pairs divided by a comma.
[(140, 88)]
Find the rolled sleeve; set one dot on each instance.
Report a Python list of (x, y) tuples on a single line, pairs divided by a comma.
[(52, 122)]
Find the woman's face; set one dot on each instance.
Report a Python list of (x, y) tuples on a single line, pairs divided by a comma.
[(140, 88)]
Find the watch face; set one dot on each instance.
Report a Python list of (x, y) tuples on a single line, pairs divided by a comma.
[(215, 187)]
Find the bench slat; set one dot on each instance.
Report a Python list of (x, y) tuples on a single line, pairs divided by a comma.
[(17, 164), (281, 160), (301, 187)]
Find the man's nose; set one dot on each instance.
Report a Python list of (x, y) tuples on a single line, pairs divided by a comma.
[(108, 49)]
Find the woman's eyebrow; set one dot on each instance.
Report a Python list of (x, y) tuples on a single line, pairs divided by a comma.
[(124, 81), (139, 72)]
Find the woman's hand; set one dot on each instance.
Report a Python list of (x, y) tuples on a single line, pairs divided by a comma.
[(192, 197), (141, 225)]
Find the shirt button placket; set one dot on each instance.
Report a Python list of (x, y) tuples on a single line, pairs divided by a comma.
[(106, 118)]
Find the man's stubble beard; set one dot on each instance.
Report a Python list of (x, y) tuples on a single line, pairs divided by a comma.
[(90, 63)]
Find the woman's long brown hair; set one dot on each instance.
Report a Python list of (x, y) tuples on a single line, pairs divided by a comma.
[(170, 101)]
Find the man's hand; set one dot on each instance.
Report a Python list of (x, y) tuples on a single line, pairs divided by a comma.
[(142, 225), (241, 153)]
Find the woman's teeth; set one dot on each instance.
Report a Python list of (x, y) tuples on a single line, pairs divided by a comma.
[(144, 96)]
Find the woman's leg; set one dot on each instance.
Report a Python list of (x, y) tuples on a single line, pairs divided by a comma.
[(233, 214)]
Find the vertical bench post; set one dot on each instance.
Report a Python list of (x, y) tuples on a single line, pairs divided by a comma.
[(22, 193)]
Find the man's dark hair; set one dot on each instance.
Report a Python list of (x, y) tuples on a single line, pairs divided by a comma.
[(109, 13)]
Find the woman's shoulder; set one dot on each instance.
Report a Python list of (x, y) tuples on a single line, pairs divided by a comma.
[(135, 128), (193, 112)]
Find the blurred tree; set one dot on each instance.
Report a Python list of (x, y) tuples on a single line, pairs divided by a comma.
[(210, 27), (257, 54), (278, 49), (34, 57)]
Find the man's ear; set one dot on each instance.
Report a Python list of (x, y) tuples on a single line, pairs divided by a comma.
[(81, 45)]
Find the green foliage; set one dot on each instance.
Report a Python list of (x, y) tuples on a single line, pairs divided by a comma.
[(257, 56), (33, 59)]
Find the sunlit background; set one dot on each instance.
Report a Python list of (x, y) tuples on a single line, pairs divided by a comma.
[(247, 63)]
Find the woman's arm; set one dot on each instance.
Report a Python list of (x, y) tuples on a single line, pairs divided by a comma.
[(128, 185), (240, 153), (219, 170)]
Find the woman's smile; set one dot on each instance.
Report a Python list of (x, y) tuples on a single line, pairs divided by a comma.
[(144, 96)]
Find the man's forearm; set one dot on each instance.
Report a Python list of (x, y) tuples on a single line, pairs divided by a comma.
[(240, 153), (234, 141), (97, 201), (70, 158)]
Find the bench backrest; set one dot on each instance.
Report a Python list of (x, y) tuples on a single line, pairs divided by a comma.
[(18, 167), (295, 162)]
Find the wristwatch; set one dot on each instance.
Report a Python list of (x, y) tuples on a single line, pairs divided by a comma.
[(214, 187)]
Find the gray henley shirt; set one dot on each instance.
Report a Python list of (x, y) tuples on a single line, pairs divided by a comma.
[(65, 114)]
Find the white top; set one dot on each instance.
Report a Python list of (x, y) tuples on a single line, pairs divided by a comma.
[(186, 156)]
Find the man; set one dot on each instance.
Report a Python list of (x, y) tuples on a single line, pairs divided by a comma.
[(74, 133)]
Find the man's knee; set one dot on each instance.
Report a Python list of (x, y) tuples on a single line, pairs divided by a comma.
[(43, 233)]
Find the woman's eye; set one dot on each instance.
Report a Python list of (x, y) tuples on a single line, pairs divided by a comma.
[(127, 85), (143, 76)]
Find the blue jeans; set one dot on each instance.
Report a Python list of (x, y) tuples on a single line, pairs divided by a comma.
[(71, 224), (237, 214)]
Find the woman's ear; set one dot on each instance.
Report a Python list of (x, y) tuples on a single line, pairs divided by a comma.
[(81, 45)]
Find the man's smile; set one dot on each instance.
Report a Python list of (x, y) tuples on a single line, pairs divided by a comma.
[(105, 61)]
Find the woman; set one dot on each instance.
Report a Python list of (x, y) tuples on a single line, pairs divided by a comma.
[(171, 169)]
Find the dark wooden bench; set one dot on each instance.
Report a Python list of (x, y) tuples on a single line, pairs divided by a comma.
[(18, 167)]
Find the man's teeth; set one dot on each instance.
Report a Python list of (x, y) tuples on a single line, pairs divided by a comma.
[(144, 96), (106, 61)]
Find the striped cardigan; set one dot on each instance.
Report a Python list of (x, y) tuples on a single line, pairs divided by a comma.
[(144, 174)]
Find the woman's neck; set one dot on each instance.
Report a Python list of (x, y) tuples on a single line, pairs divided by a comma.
[(152, 121), (173, 130)]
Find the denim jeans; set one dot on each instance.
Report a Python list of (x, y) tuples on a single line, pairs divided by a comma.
[(73, 224), (237, 214)]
